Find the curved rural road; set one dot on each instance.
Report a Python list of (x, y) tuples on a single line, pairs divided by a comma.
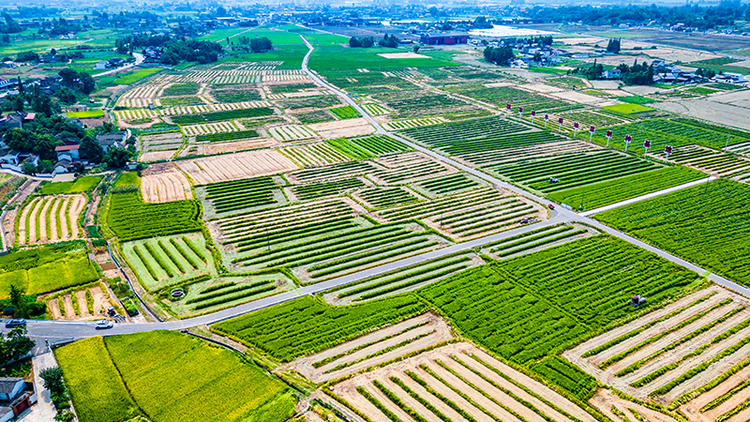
[(64, 330)]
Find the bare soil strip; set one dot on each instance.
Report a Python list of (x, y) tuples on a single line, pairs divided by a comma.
[(604, 400)]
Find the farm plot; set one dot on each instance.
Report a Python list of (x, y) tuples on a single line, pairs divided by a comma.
[(409, 123), (143, 95), (47, 268), (535, 240), (307, 325), (409, 167), (314, 155), (211, 294), (166, 375), (168, 260), (342, 246), (599, 194), (347, 128), (386, 197), (235, 195), (168, 141), (220, 107), (321, 189), (448, 184), (165, 187), (130, 218), (381, 346), (291, 133), (87, 303), (368, 147), (345, 112), (50, 219), (678, 133), (136, 115), (468, 214), (695, 350), (209, 128), (618, 408), (692, 223), (554, 174), (476, 135), (375, 109), (411, 104), (402, 280), (335, 172), (499, 96), (717, 163), (502, 155), (455, 382), (236, 166)]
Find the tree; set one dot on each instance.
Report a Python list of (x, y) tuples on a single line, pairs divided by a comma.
[(389, 41), (16, 299), (88, 85), (498, 55), (15, 345), (27, 56), (354, 42), (260, 45), (482, 23), (117, 158), (90, 149), (537, 57), (416, 48), (613, 45)]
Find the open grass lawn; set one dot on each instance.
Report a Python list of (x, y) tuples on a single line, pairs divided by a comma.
[(165, 375), (136, 76), (636, 99), (221, 34), (80, 185)]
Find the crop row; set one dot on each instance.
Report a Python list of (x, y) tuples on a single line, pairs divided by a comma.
[(226, 136), (344, 112), (442, 205), (314, 155), (343, 170), (452, 183), (222, 115), (388, 197), (321, 189), (130, 218), (350, 149), (249, 222)]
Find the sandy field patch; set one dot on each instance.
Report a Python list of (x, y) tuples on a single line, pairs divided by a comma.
[(623, 364), (498, 84), (348, 132), (236, 166), (709, 109), (157, 155), (165, 187), (576, 96), (692, 409), (100, 305), (338, 124), (605, 84), (745, 63), (541, 87), (403, 56), (427, 329), (465, 377)]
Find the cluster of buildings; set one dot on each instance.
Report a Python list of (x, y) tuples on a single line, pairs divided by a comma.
[(112, 63)]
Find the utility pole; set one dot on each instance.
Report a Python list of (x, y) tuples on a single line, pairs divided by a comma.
[(582, 194), (727, 144), (641, 130)]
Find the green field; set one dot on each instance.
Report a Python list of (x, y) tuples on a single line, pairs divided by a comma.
[(86, 114), (704, 224), (167, 375), (48, 268), (80, 185), (627, 108), (137, 76)]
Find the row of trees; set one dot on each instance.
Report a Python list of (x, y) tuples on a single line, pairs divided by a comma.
[(613, 45), (257, 45)]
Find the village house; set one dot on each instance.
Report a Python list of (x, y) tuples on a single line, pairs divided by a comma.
[(15, 397)]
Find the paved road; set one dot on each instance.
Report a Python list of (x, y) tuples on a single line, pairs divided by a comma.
[(61, 330), (138, 60)]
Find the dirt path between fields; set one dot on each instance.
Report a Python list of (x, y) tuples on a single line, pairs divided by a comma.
[(82, 304), (43, 217)]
